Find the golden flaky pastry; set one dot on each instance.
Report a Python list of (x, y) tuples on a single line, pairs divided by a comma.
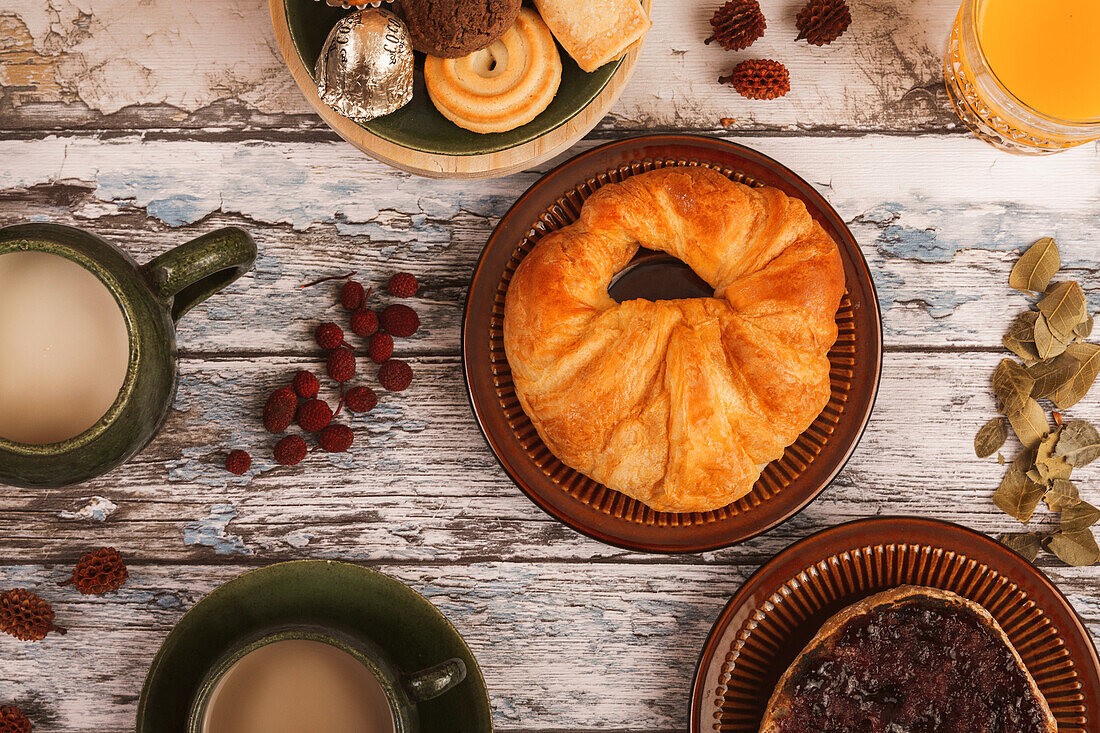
[(594, 32), (679, 403)]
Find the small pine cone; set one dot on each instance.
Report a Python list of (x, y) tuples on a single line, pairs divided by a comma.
[(26, 616), (12, 720), (823, 21), (98, 572), (737, 24), (759, 79)]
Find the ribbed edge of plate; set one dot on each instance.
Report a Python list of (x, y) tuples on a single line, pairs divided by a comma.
[(777, 476), (763, 648)]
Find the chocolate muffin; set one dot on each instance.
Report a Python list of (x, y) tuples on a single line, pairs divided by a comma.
[(455, 28)]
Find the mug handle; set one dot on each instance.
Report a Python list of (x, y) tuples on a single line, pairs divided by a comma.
[(434, 681), (189, 274)]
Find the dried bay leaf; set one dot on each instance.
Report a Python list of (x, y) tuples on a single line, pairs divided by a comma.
[(1078, 444), (1036, 266), (1048, 465), (1051, 374), (1017, 496), (1029, 423), (1024, 544), (1064, 308), (1046, 344), (1077, 386), (1020, 338), (1084, 328), (990, 438), (1062, 493), (1012, 384), (1074, 548), (1081, 515)]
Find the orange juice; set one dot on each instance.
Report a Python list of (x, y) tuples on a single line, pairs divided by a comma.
[(1046, 53)]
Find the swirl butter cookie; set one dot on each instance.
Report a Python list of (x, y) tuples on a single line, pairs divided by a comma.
[(500, 87)]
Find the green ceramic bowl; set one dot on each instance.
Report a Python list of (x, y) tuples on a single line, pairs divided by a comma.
[(418, 125), (343, 598)]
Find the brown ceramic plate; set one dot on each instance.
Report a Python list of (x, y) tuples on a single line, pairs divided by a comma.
[(780, 608), (788, 484)]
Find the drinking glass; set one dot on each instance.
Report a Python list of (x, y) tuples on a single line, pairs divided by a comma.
[(994, 111)]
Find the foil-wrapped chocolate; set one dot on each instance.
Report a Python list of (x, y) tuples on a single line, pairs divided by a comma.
[(366, 65)]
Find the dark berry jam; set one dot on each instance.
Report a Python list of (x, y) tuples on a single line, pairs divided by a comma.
[(924, 667)]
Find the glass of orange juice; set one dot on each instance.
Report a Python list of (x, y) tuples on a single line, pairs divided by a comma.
[(1024, 75)]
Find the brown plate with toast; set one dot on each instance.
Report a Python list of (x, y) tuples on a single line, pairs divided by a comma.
[(836, 572), (786, 485)]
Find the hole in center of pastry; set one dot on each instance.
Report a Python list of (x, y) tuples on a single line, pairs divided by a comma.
[(490, 61), (657, 276)]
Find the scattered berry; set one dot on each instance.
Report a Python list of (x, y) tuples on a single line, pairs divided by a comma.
[(314, 415), (395, 375), (306, 385), (279, 410), (364, 322), (99, 571), (26, 616), (328, 335), (336, 438), (238, 462), (399, 320), (381, 347), (403, 285), (360, 399), (341, 364), (12, 720), (290, 450), (352, 295)]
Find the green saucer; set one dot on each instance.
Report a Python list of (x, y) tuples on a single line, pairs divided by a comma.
[(419, 125), (330, 594)]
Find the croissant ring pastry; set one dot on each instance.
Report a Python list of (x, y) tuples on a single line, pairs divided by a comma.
[(502, 86), (677, 403)]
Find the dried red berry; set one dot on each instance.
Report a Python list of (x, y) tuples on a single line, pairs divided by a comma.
[(381, 347), (290, 450), (314, 415), (279, 410), (238, 462), (26, 616), (306, 385), (341, 364), (352, 295), (403, 285), (759, 79), (737, 24), (399, 320), (395, 375), (336, 438), (12, 720), (364, 322), (360, 399), (98, 572), (823, 21), (328, 335)]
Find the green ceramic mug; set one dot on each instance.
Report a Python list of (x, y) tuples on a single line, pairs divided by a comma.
[(152, 299), (402, 690)]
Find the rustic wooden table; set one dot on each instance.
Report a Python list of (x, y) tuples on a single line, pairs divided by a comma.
[(152, 122)]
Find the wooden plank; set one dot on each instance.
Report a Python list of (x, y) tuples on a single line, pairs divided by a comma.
[(939, 218), (214, 64), (562, 646), (420, 484)]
